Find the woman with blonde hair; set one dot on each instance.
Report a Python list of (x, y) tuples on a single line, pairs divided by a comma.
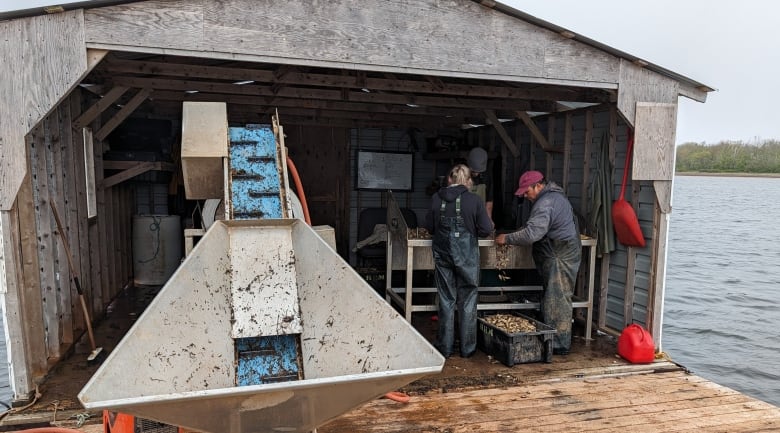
[(457, 219)]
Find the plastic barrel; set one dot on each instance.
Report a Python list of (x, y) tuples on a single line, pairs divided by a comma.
[(157, 248)]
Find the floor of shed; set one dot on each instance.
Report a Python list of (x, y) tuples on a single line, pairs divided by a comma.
[(590, 389)]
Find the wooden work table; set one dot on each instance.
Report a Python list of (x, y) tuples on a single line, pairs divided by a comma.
[(405, 252)]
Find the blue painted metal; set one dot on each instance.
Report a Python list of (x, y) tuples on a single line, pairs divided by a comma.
[(267, 359), (255, 182), (255, 193)]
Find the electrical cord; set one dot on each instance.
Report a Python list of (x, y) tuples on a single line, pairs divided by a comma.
[(154, 227)]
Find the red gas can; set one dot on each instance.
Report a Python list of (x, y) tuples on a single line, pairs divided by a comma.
[(636, 345)]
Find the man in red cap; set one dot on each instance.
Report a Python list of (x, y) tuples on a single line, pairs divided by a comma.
[(552, 231)]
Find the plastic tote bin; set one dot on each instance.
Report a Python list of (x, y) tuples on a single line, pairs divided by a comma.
[(517, 348)]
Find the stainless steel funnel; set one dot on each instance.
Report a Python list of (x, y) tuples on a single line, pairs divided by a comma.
[(176, 365)]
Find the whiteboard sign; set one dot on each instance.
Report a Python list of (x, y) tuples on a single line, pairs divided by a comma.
[(385, 170)]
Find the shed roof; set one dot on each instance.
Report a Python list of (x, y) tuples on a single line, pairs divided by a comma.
[(55, 8)]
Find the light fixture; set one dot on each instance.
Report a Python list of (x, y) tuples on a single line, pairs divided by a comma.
[(191, 91), (241, 83), (365, 90), (412, 105)]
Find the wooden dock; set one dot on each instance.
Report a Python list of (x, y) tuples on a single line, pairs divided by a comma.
[(651, 402), (591, 389)]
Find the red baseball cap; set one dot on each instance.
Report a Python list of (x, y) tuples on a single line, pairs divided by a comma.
[(527, 179)]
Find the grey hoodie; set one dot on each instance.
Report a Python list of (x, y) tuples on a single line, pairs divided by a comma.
[(551, 215)]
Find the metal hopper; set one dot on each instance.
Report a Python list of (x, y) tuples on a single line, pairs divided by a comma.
[(178, 363)]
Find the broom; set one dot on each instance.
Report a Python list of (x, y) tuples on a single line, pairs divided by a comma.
[(624, 218), (96, 351)]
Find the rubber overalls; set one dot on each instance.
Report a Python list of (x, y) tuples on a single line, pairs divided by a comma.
[(558, 263), (456, 256)]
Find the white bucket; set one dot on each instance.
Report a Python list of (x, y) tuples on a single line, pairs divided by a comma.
[(157, 248)]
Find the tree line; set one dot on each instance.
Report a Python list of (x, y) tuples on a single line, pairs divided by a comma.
[(729, 157)]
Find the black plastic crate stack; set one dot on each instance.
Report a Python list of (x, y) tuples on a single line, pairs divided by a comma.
[(517, 348)]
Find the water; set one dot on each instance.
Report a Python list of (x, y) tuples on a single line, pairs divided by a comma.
[(722, 308)]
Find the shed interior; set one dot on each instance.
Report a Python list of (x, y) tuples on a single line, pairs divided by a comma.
[(128, 112)]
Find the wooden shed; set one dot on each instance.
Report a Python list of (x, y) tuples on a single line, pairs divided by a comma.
[(91, 112)]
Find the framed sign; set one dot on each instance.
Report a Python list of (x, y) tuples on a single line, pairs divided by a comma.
[(385, 170)]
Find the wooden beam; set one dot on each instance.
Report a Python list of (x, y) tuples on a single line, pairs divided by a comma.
[(95, 56), (493, 120), (658, 271), (126, 165), (31, 311), (529, 123), (89, 169), (18, 329), (98, 107), (123, 113), (165, 95), (358, 81), (335, 95), (587, 155), (137, 169)]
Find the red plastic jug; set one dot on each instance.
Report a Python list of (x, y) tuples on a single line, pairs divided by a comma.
[(636, 345)]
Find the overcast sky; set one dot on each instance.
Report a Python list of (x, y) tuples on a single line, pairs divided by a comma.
[(730, 46)]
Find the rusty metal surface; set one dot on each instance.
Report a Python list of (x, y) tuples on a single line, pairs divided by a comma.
[(176, 364)]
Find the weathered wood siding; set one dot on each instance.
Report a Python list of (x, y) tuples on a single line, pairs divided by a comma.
[(400, 36), (46, 57), (43, 313)]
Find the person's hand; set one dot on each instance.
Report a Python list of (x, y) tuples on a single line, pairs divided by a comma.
[(501, 239)]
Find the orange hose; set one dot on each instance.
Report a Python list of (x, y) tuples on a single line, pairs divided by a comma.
[(50, 430), (299, 189), (398, 396)]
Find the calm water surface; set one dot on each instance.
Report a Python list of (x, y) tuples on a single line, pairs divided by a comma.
[(722, 308)]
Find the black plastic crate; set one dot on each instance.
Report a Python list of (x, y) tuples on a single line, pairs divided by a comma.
[(518, 348)]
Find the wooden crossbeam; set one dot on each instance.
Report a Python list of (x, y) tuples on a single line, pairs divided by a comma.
[(123, 113), (134, 169), (510, 144), (98, 107), (333, 95), (428, 84), (264, 102), (540, 138)]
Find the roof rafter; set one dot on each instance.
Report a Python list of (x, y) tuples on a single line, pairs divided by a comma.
[(432, 85)]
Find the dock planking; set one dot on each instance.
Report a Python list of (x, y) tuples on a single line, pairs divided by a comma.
[(672, 401), (591, 389)]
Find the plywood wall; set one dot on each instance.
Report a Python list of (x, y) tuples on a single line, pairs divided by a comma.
[(49, 319)]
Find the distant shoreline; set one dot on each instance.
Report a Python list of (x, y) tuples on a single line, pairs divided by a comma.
[(696, 173)]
